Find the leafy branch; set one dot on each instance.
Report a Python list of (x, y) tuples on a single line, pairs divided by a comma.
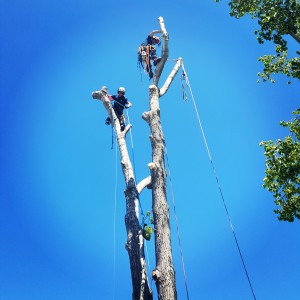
[(277, 19), (283, 170)]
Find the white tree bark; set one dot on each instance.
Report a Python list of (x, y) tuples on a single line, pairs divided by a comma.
[(164, 273), (135, 240), (164, 53), (171, 77), (144, 183)]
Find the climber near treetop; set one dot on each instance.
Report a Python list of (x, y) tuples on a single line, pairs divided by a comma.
[(120, 102), (147, 52)]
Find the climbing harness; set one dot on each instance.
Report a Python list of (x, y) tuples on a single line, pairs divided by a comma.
[(217, 181), (122, 118), (144, 56)]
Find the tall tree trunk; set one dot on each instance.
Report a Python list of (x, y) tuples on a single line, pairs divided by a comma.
[(164, 273), (135, 240)]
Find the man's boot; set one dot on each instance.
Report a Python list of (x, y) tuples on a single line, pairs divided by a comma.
[(107, 121)]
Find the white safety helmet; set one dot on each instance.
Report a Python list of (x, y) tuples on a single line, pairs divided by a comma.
[(121, 90)]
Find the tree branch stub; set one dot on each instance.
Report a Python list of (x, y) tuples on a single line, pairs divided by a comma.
[(171, 77), (145, 183)]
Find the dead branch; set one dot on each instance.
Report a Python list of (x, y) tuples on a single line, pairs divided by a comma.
[(146, 182), (171, 77)]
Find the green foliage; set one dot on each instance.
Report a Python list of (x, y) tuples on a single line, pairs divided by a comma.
[(149, 217), (277, 19), (148, 230), (279, 64), (283, 170)]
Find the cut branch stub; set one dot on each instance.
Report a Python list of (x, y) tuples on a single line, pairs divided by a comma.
[(171, 77), (146, 116), (147, 182)]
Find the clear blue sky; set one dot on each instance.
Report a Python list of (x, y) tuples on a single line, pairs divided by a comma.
[(58, 172)]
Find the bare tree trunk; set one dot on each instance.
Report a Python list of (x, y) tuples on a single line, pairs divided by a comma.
[(135, 240), (164, 273)]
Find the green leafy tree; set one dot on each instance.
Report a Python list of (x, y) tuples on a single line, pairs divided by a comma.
[(283, 171), (277, 19), (279, 22)]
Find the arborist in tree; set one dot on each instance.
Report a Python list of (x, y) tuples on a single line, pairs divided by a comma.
[(120, 102), (147, 52)]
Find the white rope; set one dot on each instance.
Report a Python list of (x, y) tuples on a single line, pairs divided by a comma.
[(130, 129), (131, 140), (198, 117), (141, 209), (218, 184), (177, 225), (115, 213), (148, 262)]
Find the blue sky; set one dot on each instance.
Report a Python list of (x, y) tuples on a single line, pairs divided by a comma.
[(59, 175)]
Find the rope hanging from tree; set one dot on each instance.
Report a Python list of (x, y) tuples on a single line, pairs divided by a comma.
[(217, 180), (177, 224)]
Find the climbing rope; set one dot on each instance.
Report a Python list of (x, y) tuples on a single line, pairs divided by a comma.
[(134, 171), (140, 204), (177, 226), (132, 150), (217, 180), (133, 163), (148, 263), (115, 213), (131, 139), (112, 137), (182, 78)]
